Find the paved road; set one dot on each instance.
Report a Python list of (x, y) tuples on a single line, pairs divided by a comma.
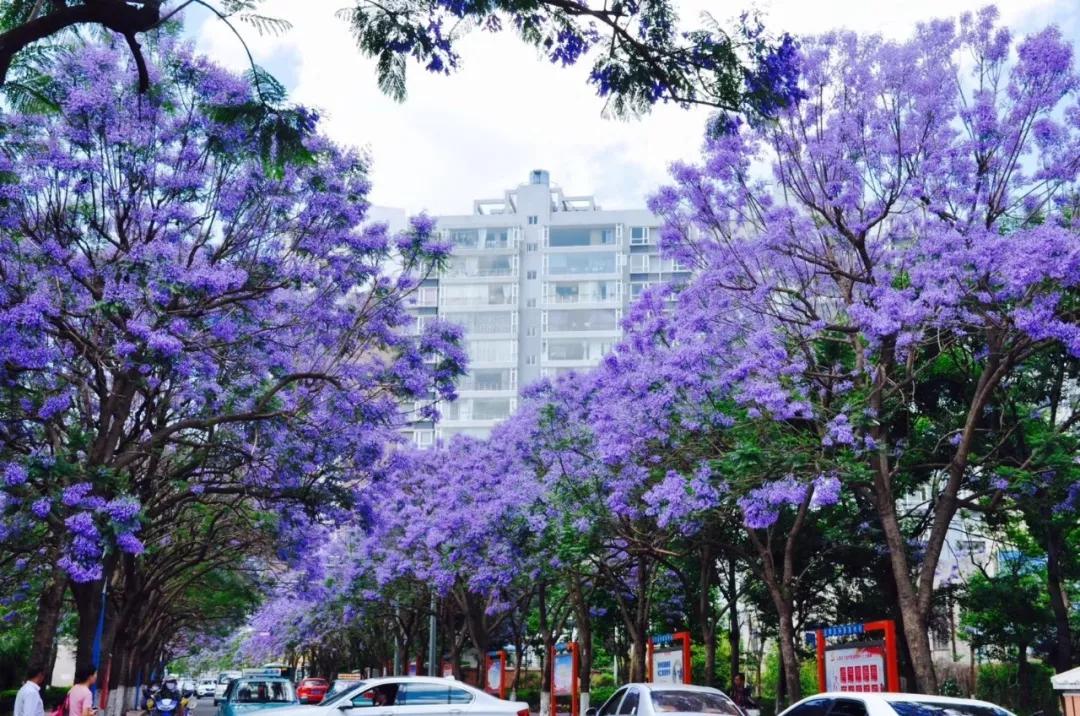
[(204, 707)]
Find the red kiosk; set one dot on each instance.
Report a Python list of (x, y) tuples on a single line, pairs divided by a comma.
[(865, 666), (668, 658), (495, 673), (564, 677)]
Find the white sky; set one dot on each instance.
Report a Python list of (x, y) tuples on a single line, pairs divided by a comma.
[(480, 130)]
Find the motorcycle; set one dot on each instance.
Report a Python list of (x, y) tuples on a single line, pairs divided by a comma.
[(167, 705)]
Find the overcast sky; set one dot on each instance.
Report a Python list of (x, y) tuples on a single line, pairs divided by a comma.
[(479, 131)]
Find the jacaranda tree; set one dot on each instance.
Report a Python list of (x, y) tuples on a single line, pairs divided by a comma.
[(913, 253), (183, 321)]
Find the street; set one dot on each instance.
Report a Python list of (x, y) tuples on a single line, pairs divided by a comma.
[(203, 707)]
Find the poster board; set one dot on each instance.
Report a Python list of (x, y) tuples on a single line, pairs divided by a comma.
[(668, 658), (495, 673), (562, 674), (668, 666), (857, 668)]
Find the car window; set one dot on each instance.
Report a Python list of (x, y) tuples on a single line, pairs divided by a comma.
[(460, 696), (346, 690), (685, 701), (934, 708), (612, 704), (848, 707), (381, 695), (813, 707), (421, 694), (630, 702), (258, 691)]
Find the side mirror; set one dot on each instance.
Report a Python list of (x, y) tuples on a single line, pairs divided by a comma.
[(345, 706), (591, 711)]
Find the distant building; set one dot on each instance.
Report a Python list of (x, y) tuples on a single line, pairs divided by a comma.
[(540, 281)]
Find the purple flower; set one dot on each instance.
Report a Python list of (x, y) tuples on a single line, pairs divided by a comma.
[(14, 474)]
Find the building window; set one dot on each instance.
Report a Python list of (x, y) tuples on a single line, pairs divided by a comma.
[(581, 236), (530, 303), (530, 274), (639, 263), (639, 235), (533, 220), (530, 331), (589, 262), (530, 360), (532, 246)]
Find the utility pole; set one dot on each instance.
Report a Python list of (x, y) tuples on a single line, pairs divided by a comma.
[(433, 641)]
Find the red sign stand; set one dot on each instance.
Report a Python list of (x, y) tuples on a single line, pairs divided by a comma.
[(575, 685), (489, 659), (887, 626)]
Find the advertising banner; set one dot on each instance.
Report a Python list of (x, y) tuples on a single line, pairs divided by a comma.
[(855, 667), (494, 675), (667, 666), (563, 674)]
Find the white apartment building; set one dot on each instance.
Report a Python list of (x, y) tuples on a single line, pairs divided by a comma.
[(540, 281)]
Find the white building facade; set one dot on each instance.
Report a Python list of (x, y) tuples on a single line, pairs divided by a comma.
[(540, 282)]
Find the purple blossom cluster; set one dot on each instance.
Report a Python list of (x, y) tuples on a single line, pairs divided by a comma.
[(234, 326)]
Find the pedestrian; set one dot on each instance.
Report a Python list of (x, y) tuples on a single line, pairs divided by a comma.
[(80, 698), (740, 693), (28, 700)]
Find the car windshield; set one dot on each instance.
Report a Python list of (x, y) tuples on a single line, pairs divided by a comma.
[(259, 691), (693, 702), (345, 691), (938, 708)]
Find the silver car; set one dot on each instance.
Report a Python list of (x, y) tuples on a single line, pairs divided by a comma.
[(848, 703), (655, 699), (410, 696)]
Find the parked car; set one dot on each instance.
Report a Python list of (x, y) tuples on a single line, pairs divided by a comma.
[(205, 688), (187, 687), (651, 699), (890, 704), (312, 690), (257, 693), (425, 695)]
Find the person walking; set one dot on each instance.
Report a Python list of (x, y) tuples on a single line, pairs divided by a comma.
[(28, 700), (80, 698)]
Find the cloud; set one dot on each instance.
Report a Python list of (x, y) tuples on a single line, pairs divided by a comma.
[(480, 130)]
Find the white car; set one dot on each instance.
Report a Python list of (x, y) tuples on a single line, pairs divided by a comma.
[(890, 704), (652, 699), (205, 688), (409, 696)]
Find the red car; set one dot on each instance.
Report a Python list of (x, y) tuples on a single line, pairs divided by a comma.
[(312, 691)]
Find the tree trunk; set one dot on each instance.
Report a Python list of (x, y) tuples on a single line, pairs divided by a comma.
[(1023, 678), (88, 606), (1059, 602), (788, 657), (585, 653), (734, 628), (914, 621), (548, 645), (50, 604)]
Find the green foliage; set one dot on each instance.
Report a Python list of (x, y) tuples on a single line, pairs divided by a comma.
[(1008, 611), (999, 684)]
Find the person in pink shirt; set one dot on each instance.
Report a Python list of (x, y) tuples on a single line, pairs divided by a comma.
[(80, 698)]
